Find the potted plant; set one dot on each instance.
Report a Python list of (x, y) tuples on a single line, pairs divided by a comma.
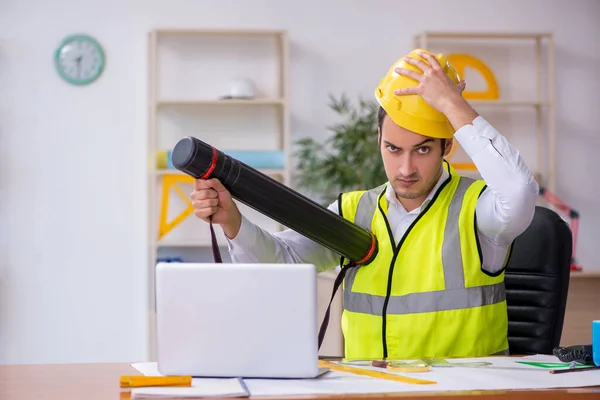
[(349, 159)]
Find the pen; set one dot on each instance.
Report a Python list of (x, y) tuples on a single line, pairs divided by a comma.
[(563, 371)]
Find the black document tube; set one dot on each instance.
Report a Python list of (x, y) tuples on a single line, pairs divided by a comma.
[(275, 200)]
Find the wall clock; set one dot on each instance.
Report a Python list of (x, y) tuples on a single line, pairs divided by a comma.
[(79, 59)]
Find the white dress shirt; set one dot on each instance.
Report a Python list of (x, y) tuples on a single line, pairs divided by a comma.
[(504, 210)]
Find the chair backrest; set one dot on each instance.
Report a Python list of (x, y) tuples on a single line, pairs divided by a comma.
[(537, 281)]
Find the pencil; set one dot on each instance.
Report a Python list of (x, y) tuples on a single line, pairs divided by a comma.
[(563, 371)]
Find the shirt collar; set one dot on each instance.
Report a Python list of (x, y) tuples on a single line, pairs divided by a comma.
[(390, 195)]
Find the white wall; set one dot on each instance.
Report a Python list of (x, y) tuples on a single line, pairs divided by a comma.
[(72, 160)]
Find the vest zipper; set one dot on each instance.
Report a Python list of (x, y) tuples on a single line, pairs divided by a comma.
[(396, 250)]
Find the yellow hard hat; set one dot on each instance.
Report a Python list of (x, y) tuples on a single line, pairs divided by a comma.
[(411, 111)]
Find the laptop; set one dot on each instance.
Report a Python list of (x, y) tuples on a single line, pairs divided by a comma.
[(237, 320)]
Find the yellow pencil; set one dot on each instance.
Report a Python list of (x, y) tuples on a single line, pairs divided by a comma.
[(373, 374)]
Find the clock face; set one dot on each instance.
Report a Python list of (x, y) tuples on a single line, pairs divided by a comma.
[(79, 59)]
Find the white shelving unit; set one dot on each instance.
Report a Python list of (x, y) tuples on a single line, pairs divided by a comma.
[(520, 54), (189, 71)]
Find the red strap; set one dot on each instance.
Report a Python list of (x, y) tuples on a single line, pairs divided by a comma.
[(213, 164)]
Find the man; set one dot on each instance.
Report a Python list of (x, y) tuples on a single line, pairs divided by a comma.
[(436, 287)]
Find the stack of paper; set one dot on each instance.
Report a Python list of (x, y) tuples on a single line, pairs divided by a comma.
[(504, 373), (201, 387)]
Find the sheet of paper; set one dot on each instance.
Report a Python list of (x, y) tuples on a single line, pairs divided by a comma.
[(504, 374), (542, 358), (147, 369), (201, 387)]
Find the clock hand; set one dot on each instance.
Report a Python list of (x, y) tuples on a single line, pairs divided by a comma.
[(78, 66)]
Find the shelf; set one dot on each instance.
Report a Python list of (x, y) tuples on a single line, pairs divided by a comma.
[(485, 35), (219, 32), (197, 244), (585, 274), (189, 70), (233, 102), (537, 97), (270, 172), (501, 103)]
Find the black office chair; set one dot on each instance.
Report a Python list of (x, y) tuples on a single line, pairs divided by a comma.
[(537, 282)]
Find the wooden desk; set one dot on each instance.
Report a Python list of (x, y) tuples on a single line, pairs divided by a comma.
[(101, 382)]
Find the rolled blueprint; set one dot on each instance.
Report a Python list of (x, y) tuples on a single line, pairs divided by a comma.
[(275, 200)]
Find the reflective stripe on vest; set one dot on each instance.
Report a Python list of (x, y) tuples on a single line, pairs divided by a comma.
[(455, 296)]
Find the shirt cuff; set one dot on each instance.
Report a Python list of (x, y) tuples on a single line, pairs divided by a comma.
[(476, 136), (245, 239)]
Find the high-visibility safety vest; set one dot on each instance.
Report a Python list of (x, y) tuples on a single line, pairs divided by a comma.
[(428, 296)]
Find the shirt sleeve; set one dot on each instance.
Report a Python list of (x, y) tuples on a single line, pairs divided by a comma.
[(254, 244), (505, 209)]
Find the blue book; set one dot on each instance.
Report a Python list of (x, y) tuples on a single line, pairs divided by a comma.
[(265, 159), (259, 159)]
